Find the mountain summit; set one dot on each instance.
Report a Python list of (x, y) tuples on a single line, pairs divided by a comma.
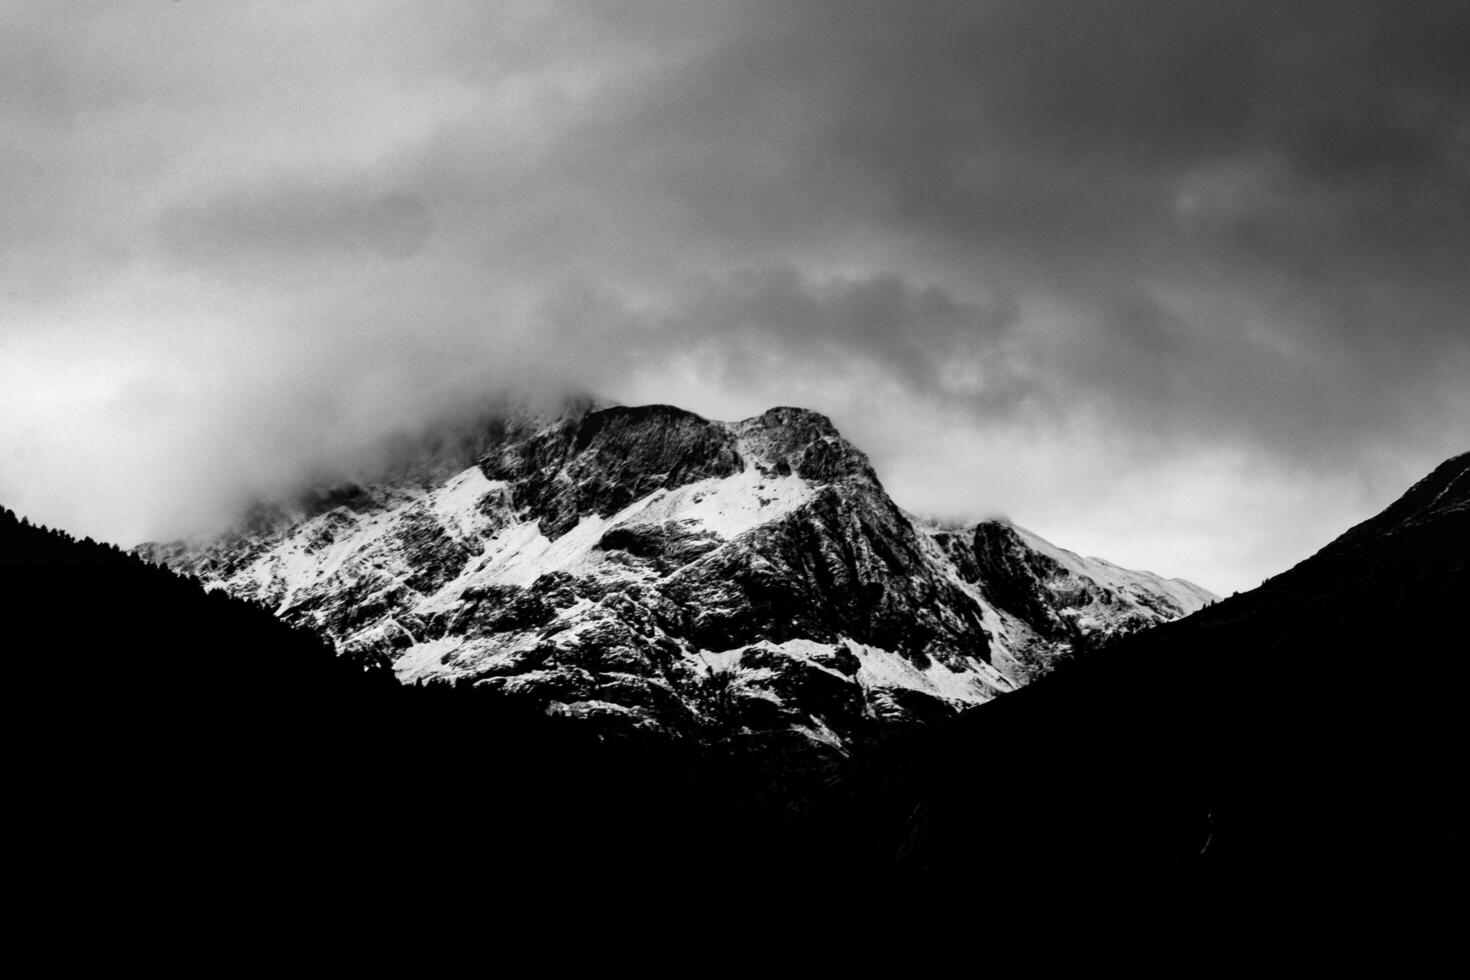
[(650, 568)]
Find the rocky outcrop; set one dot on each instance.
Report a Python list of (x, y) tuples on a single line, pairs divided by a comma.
[(847, 564), (606, 460), (651, 568)]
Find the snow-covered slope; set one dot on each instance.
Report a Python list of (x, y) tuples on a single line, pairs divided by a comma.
[(653, 568)]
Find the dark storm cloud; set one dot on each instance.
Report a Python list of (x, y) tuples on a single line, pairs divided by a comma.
[(912, 330), (1194, 247), (1284, 185), (1033, 119), (772, 327)]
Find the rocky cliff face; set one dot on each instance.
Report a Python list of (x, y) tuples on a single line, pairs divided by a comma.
[(655, 569)]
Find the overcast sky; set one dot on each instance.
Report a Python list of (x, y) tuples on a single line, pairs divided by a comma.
[(1181, 284)]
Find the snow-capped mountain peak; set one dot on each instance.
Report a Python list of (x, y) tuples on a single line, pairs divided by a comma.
[(653, 568)]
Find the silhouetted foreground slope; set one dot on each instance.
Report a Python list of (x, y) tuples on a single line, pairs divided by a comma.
[(1305, 738), (190, 752)]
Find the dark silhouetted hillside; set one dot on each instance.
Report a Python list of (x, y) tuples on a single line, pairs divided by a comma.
[(1303, 739), (189, 751)]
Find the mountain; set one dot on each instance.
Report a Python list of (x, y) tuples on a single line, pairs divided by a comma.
[(648, 568), (1300, 742)]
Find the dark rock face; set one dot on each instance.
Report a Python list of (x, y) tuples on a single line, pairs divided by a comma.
[(1011, 572), (668, 546), (433, 555), (847, 564), (502, 609), (800, 441), (653, 569), (612, 458), (1067, 600)]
